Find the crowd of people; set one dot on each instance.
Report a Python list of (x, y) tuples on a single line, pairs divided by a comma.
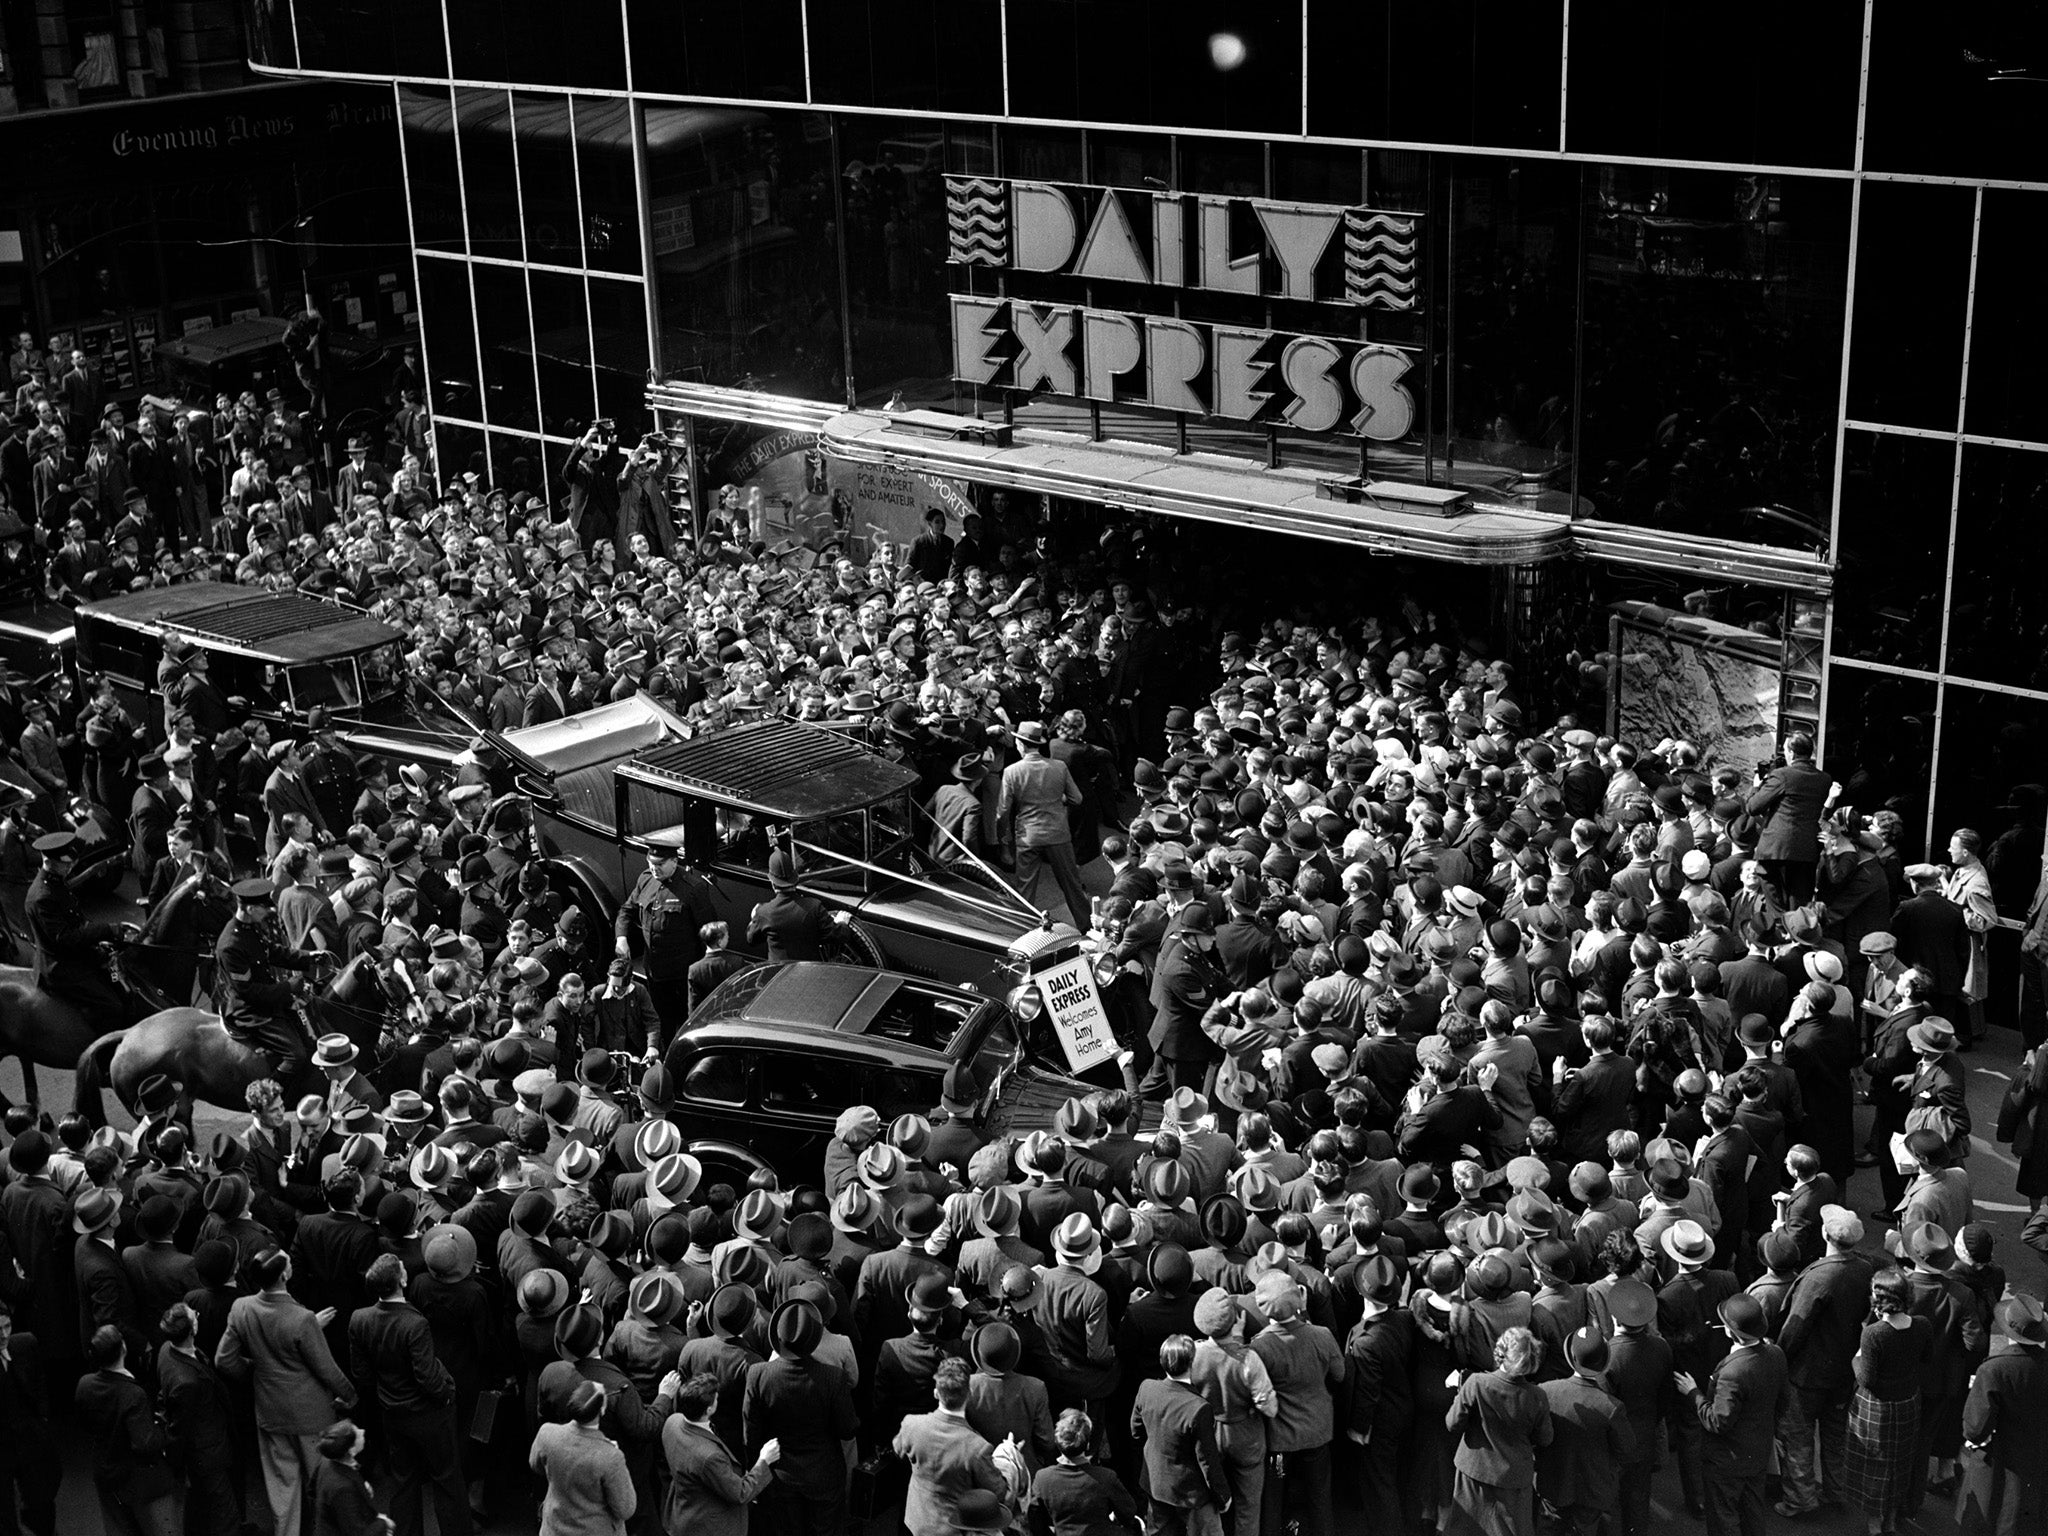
[(1488, 1120)]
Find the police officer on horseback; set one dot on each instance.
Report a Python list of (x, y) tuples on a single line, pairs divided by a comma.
[(256, 1002), (69, 962)]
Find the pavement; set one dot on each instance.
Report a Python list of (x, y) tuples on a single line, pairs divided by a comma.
[(515, 1512)]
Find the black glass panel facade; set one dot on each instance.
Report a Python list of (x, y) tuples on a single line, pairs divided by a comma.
[(750, 52), (1511, 242), (1224, 64), (1880, 734), (370, 37), (909, 55), (1666, 80), (743, 230), (1998, 630), (1954, 90), (1453, 72), (506, 347), (490, 186), (446, 312), (1912, 281), (537, 42), (1896, 493), (2009, 336), (547, 179), (604, 171), (430, 167), (618, 328), (1991, 745), (1713, 336), (561, 341)]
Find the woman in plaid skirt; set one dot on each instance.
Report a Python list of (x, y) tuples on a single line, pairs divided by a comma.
[(1884, 1418)]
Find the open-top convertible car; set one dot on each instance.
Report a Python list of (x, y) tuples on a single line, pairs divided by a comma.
[(768, 1062), (611, 782)]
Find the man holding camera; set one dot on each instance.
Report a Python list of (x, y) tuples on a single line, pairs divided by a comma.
[(592, 473)]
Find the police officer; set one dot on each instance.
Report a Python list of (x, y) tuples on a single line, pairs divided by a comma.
[(68, 962), (255, 1002), (668, 906), (792, 923)]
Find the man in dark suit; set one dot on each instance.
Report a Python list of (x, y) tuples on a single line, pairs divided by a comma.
[(200, 1419), (1789, 803), (29, 1459), (1819, 1334), (391, 1354), (330, 1251), (1739, 1415), (1930, 932), (1183, 1469), (1579, 1472), (807, 1408), (1589, 1103), (286, 794), (130, 1451), (105, 1297)]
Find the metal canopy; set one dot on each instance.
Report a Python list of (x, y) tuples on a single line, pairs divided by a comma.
[(1495, 529)]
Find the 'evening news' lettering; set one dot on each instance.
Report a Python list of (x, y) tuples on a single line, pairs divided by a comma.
[(234, 128)]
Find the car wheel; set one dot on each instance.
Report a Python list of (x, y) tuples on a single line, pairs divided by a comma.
[(851, 944)]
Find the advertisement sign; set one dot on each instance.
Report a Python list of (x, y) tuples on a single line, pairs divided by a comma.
[(1078, 1017), (1181, 246), (890, 503)]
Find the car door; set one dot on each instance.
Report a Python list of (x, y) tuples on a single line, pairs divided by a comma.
[(715, 1092), (802, 1093)]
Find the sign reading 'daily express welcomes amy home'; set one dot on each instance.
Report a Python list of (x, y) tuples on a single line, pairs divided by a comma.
[(1035, 233)]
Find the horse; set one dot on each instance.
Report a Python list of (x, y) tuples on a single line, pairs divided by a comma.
[(41, 1029), (193, 1048)]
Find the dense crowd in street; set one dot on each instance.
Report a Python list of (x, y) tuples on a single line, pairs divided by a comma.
[(1490, 1107)]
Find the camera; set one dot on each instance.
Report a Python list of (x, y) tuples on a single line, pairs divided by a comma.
[(605, 429)]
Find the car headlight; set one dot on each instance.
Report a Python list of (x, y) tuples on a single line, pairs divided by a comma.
[(1025, 1003)]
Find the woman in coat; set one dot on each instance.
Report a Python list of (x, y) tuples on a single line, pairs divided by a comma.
[(1501, 1418), (1895, 1354), (590, 1490)]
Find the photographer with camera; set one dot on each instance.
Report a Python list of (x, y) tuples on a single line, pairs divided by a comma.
[(592, 472), (643, 498)]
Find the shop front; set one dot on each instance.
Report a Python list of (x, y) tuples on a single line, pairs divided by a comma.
[(1232, 366)]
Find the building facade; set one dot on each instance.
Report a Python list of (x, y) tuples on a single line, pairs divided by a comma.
[(1640, 309), (157, 189)]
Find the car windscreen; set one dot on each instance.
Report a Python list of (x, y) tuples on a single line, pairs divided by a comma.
[(383, 672), (327, 684)]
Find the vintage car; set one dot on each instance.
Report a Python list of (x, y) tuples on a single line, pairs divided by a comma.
[(608, 784), (282, 652), (769, 1060), (37, 641)]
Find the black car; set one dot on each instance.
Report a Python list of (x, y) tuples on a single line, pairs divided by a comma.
[(770, 1060)]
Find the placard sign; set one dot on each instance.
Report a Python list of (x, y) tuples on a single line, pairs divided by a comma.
[(1077, 1014)]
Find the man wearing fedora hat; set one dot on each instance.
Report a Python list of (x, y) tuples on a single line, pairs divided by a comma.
[(1738, 1414), (2001, 1470), (806, 1406), (1032, 820)]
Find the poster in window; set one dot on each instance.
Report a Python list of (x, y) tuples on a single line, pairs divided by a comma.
[(143, 329)]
